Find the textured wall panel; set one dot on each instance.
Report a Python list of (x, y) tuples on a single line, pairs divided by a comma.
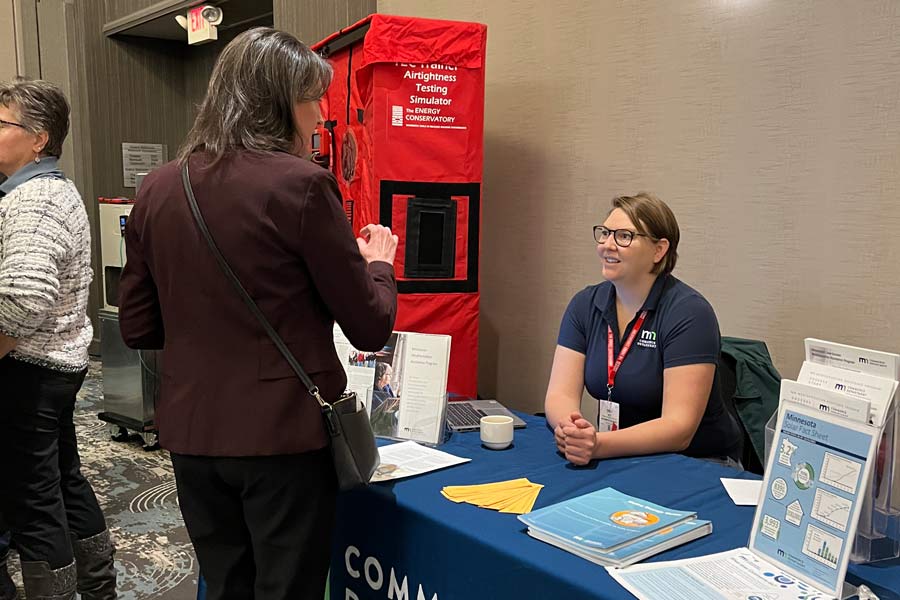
[(771, 128), (116, 9), (125, 90), (8, 67)]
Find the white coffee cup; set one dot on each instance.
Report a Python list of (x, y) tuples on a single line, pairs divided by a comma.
[(496, 431)]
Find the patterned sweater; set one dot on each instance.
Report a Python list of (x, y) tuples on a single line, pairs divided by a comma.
[(45, 273)]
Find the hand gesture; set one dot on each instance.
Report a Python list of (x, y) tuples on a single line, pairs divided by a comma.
[(376, 242), (559, 435), (580, 440)]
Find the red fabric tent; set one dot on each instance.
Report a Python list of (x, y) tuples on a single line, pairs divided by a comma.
[(404, 132)]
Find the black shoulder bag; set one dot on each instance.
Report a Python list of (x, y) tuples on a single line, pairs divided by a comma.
[(352, 441)]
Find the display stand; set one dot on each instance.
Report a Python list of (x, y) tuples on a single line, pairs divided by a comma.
[(878, 531), (403, 385)]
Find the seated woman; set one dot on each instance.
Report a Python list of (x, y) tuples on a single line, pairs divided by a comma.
[(645, 345)]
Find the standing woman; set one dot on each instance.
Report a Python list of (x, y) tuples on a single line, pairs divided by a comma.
[(256, 483), (45, 271)]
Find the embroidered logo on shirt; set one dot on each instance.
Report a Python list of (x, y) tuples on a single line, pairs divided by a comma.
[(647, 339)]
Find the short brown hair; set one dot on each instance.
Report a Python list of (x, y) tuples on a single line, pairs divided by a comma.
[(653, 217), (256, 81), (41, 106)]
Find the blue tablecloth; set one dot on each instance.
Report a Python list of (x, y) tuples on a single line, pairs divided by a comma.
[(405, 532)]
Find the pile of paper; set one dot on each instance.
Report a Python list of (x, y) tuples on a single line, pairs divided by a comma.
[(515, 496)]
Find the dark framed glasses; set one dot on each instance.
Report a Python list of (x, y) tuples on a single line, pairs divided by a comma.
[(11, 124), (622, 237)]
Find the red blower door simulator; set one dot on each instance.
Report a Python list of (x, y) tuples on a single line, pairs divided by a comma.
[(403, 134)]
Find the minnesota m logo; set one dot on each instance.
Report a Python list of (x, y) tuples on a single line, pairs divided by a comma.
[(648, 335)]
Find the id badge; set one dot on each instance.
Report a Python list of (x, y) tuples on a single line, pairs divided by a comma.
[(608, 413)]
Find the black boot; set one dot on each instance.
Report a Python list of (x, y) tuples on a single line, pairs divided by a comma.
[(44, 583), (95, 564), (7, 587)]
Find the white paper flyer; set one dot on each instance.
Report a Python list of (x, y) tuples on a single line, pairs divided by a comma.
[(406, 459), (733, 575)]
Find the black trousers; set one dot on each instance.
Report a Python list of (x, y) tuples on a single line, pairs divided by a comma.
[(4, 535), (44, 498), (261, 526)]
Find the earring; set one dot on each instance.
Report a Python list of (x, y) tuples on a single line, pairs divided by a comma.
[(37, 160)]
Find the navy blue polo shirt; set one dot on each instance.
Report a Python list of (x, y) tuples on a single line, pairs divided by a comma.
[(680, 329)]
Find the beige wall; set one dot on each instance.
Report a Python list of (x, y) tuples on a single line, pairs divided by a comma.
[(8, 68), (771, 128)]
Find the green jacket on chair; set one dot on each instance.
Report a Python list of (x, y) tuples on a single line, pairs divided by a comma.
[(757, 386)]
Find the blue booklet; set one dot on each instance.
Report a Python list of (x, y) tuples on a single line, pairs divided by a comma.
[(603, 521), (638, 551)]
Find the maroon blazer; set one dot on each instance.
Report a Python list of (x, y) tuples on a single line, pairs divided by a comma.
[(279, 222)]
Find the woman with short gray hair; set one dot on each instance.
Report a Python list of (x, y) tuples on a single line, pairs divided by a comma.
[(256, 483), (45, 272)]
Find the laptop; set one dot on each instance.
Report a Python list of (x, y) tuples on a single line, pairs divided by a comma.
[(465, 415)]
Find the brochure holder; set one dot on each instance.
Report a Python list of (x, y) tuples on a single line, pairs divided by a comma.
[(829, 494), (403, 385), (813, 494), (805, 521), (878, 531), (388, 428)]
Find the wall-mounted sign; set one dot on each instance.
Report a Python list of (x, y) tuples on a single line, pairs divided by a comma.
[(141, 158)]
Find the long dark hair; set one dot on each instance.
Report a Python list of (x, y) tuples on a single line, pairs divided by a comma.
[(258, 79)]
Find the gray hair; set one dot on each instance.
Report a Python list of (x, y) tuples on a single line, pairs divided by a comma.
[(257, 80), (380, 369), (40, 106)]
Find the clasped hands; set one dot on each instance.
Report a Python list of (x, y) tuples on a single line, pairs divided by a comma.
[(576, 439)]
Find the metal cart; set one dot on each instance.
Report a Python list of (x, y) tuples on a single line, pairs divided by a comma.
[(130, 385)]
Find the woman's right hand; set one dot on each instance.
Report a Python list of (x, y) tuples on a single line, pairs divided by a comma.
[(376, 242), (560, 437), (581, 440)]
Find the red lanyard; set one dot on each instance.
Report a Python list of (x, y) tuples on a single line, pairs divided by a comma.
[(613, 368)]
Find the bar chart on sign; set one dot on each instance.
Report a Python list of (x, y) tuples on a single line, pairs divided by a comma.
[(822, 546)]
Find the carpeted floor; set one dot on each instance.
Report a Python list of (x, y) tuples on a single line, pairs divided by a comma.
[(136, 489)]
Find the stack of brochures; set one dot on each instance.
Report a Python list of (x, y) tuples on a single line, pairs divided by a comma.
[(515, 496), (613, 529), (852, 383)]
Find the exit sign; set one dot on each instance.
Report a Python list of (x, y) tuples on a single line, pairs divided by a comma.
[(199, 29)]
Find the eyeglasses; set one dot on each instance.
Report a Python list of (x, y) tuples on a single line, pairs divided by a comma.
[(622, 237), (11, 124)]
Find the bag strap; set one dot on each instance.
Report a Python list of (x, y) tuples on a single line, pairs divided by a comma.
[(236, 283)]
